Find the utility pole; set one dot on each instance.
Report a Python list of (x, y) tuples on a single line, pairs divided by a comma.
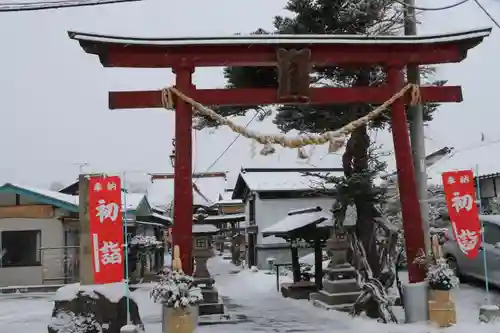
[(415, 294), (417, 128), (86, 247)]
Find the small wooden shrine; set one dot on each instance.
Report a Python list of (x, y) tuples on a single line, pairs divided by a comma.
[(311, 226)]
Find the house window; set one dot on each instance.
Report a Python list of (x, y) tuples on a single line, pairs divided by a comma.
[(20, 248), (491, 233)]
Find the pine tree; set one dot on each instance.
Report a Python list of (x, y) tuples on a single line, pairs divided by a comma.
[(333, 17)]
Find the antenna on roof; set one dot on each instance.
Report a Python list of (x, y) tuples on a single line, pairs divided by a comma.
[(81, 165)]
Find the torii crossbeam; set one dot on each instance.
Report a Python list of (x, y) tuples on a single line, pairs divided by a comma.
[(294, 55)]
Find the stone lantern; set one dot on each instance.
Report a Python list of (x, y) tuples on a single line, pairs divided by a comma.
[(202, 248), (340, 287), (211, 310)]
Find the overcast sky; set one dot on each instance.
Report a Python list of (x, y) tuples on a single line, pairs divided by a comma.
[(53, 96)]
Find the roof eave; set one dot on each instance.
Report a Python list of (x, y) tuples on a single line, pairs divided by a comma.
[(10, 188)]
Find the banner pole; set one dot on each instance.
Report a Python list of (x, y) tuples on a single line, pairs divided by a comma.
[(125, 245), (483, 249)]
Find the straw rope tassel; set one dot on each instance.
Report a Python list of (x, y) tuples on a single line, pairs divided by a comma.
[(302, 153), (336, 139)]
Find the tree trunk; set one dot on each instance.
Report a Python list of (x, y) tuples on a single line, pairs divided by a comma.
[(355, 161)]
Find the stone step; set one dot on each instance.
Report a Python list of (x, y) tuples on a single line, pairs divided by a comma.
[(210, 295), (339, 307), (340, 286), (335, 299), (210, 309), (203, 282)]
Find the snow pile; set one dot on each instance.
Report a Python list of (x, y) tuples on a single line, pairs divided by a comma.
[(131, 328), (247, 283), (255, 295), (69, 322), (308, 259), (112, 291)]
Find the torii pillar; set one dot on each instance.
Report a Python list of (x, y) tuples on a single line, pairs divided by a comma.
[(183, 181)]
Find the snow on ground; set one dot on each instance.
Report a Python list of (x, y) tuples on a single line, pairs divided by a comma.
[(253, 294)]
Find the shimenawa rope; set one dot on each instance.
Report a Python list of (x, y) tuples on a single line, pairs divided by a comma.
[(336, 139)]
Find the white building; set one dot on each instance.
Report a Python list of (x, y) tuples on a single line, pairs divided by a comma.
[(269, 194)]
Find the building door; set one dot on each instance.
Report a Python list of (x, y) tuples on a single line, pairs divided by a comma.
[(252, 251)]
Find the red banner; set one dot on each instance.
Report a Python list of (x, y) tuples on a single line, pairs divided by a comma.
[(460, 195), (106, 229)]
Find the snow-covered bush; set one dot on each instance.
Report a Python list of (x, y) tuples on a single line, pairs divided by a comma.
[(145, 241), (176, 289), (440, 276)]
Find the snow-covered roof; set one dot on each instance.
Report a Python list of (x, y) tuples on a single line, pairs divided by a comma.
[(227, 195), (71, 199), (57, 199), (495, 219), (228, 217), (481, 158), (294, 222), (159, 225), (133, 199), (68, 200), (278, 179), (162, 217), (228, 202), (204, 229), (161, 191), (275, 39)]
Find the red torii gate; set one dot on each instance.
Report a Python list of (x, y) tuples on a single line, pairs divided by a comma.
[(294, 55)]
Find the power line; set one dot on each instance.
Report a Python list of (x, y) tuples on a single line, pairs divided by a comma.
[(487, 13), (433, 8), (31, 6), (229, 146)]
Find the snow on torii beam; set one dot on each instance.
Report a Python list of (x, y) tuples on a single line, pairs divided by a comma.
[(183, 55), (258, 50)]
